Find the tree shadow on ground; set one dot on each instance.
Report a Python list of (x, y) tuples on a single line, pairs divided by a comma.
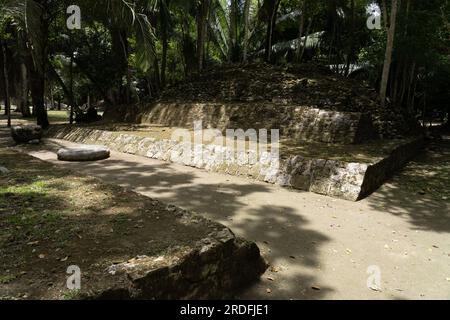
[(420, 193), (281, 232)]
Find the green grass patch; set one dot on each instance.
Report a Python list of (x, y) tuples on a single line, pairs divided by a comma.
[(5, 279)]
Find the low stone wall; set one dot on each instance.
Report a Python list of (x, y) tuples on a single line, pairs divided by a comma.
[(340, 179), (300, 122), (217, 267)]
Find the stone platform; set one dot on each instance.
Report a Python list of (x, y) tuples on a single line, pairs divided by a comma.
[(302, 123), (349, 172)]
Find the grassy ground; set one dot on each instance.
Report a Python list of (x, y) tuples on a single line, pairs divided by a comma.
[(51, 218), (54, 116)]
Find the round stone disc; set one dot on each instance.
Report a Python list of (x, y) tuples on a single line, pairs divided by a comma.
[(84, 153)]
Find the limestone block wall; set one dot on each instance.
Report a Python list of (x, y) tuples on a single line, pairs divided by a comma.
[(340, 179), (301, 122)]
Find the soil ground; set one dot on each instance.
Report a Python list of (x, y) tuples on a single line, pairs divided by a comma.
[(318, 247), (52, 218)]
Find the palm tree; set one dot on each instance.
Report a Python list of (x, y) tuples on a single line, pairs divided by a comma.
[(34, 18)]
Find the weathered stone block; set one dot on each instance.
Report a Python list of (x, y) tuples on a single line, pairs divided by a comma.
[(26, 133)]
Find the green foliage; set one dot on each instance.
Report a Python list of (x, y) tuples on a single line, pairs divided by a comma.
[(134, 47)]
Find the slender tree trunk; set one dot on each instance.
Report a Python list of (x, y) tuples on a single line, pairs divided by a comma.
[(270, 29), (6, 84), (72, 97), (246, 28), (24, 90), (388, 56), (52, 100), (308, 29), (37, 95), (351, 52), (233, 30), (157, 76), (125, 47), (165, 46), (300, 30), (202, 13), (38, 76), (385, 14)]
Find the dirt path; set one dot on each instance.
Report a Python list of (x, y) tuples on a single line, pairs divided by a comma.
[(319, 247)]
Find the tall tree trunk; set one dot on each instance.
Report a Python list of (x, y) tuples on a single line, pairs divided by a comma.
[(233, 30), (165, 43), (38, 71), (165, 46), (202, 15), (119, 51), (157, 77), (270, 28), (300, 30), (24, 90), (351, 53), (246, 29), (71, 97), (6, 84), (305, 41), (388, 56), (37, 96), (126, 49)]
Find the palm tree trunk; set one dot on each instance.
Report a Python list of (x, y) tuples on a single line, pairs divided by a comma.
[(233, 30), (388, 56)]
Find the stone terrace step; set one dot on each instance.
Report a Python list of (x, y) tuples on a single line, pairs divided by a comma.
[(348, 177), (300, 122)]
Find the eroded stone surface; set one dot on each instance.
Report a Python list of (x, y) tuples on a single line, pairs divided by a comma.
[(336, 178), (3, 170), (216, 267), (299, 122)]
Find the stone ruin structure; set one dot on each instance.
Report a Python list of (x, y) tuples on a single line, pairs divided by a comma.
[(330, 140)]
